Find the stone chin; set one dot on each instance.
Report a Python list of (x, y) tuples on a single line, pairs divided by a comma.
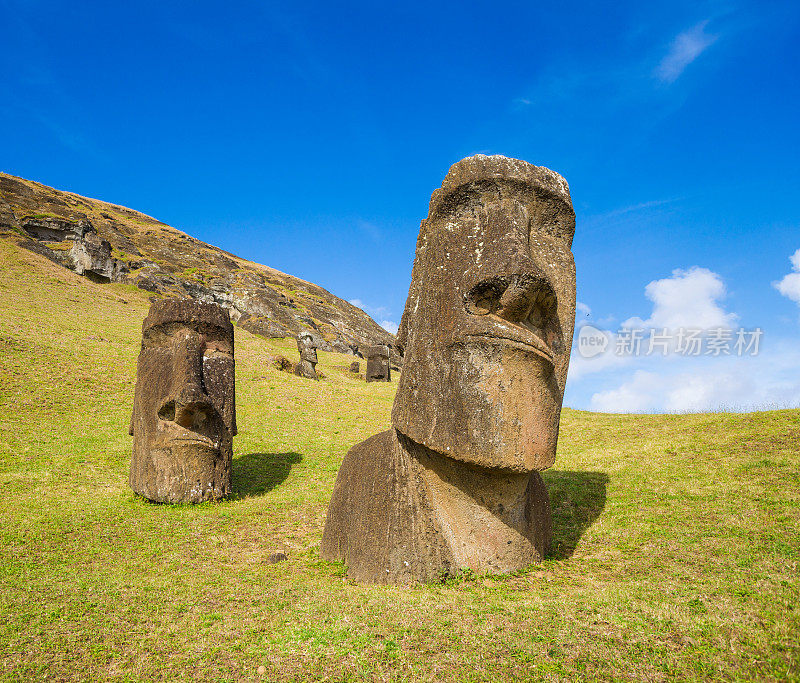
[(494, 404), (187, 472)]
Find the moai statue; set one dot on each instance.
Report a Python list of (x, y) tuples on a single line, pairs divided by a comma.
[(355, 367), (487, 328), (308, 356), (378, 364), (184, 411)]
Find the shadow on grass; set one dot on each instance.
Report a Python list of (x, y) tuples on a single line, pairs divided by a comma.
[(258, 473), (576, 499)]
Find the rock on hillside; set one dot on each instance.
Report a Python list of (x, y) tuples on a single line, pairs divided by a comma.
[(110, 243)]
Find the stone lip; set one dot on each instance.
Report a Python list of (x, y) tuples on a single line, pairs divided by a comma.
[(106, 242)]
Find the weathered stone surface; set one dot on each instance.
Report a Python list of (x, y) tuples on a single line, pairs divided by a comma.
[(378, 369), (120, 244), (486, 332), (184, 412), (308, 356), (91, 256)]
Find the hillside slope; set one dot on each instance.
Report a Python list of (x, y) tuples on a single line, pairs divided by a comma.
[(676, 537), (110, 243)]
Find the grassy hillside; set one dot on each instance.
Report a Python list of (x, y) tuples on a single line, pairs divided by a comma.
[(676, 536)]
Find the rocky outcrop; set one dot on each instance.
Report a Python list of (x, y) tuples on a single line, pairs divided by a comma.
[(111, 243)]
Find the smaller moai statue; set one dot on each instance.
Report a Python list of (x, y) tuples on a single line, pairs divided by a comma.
[(378, 369), (355, 367), (308, 356), (184, 411)]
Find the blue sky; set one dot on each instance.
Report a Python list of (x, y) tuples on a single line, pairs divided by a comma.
[(310, 136)]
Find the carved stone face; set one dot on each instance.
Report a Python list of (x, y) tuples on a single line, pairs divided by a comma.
[(378, 367), (307, 348), (489, 318), (184, 413)]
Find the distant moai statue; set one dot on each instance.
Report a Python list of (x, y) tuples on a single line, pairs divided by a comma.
[(184, 411), (355, 367), (378, 369), (455, 482), (308, 356)]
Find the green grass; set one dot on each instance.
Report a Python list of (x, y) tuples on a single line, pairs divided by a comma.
[(676, 553)]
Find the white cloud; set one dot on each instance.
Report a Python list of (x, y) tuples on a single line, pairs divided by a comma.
[(583, 308), (768, 380), (734, 380), (684, 49), (373, 311), (377, 312), (690, 298), (389, 326), (789, 285)]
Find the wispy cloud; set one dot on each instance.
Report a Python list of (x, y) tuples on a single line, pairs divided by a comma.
[(374, 311), (685, 48), (789, 285), (377, 313)]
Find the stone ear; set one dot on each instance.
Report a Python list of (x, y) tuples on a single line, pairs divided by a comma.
[(130, 425)]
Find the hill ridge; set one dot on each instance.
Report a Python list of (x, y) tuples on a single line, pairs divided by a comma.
[(109, 242)]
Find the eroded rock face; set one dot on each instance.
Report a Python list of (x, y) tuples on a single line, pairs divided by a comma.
[(91, 256), (308, 356), (378, 369), (184, 411), (486, 332)]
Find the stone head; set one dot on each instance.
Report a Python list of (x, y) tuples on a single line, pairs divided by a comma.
[(488, 323), (184, 413), (378, 366), (306, 347)]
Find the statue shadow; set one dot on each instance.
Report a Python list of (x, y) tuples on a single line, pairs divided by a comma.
[(255, 474), (576, 499)]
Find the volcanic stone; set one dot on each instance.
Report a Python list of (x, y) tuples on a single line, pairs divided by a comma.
[(378, 364), (486, 332), (308, 356), (184, 412)]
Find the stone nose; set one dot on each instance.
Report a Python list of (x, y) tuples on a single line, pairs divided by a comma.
[(509, 296), (192, 406), (188, 403)]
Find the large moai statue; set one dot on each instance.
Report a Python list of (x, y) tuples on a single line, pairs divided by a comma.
[(487, 329), (184, 411), (308, 356), (378, 369)]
